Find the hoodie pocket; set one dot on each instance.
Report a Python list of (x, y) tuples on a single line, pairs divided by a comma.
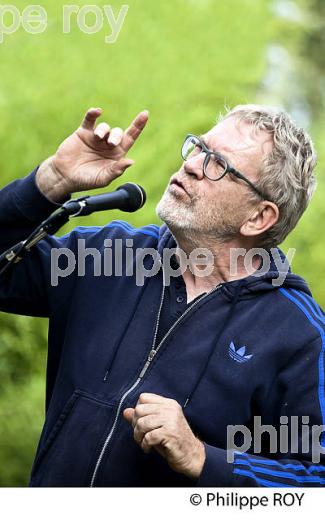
[(70, 451)]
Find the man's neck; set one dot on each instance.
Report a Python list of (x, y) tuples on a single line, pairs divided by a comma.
[(224, 264)]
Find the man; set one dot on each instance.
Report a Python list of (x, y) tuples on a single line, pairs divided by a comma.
[(144, 380)]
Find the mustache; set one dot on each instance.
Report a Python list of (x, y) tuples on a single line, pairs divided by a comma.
[(179, 181)]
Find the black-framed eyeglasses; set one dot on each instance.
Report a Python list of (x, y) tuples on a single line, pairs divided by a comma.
[(218, 167)]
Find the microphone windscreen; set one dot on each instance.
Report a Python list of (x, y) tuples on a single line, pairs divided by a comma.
[(136, 196)]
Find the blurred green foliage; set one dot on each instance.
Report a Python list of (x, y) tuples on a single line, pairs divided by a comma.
[(184, 61)]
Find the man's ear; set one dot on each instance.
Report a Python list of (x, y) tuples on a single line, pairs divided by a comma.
[(262, 218)]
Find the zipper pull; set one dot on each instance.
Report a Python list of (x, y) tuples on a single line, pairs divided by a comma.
[(152, 354)]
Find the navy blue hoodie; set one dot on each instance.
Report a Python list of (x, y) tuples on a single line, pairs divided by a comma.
[(246, 349)]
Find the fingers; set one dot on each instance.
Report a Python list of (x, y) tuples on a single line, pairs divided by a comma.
[(142, 424), (142, 410), (135, 129), (112, 136), (115, 137), (102, 130), (146, 398), (145, 425), (154, 439), (90, 118)]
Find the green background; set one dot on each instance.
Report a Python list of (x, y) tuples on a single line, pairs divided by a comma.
[(184, 60)]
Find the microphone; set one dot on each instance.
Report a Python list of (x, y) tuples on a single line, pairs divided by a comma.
[(128, 197)]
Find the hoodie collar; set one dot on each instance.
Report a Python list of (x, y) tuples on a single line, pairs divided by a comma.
[(278, 273)]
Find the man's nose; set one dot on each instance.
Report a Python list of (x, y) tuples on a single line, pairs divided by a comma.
[(194, 165)]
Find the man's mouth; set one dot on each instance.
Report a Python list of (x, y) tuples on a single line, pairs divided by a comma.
[(179, 185)]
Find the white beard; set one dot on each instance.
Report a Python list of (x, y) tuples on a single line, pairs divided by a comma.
[(193, 217), (177, 211)]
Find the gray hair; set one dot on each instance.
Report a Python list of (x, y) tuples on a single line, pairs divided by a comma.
[(287, 171)]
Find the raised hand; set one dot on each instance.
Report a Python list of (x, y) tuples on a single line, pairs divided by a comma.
[(92, 157)]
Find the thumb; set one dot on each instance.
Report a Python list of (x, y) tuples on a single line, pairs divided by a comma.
[(128, 414), (122, 165)]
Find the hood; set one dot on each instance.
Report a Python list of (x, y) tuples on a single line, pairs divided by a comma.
[(276, 273)]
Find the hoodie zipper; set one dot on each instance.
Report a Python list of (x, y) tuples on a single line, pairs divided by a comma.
[(147, 364)]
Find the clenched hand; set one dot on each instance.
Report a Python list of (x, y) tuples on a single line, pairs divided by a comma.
[(92, 157), (159, 423)]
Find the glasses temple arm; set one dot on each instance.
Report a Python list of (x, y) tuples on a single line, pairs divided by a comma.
[(240, 176)]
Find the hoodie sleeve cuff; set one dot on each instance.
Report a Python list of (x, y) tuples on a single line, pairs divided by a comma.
[(30, 201), (217, 471)]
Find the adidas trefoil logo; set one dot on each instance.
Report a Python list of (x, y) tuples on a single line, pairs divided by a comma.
[(239, 355)]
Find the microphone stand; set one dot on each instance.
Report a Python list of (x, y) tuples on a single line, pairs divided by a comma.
[(128, 197), (53, 223)]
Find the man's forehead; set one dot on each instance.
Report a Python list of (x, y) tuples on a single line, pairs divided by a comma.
[(233, 138)]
